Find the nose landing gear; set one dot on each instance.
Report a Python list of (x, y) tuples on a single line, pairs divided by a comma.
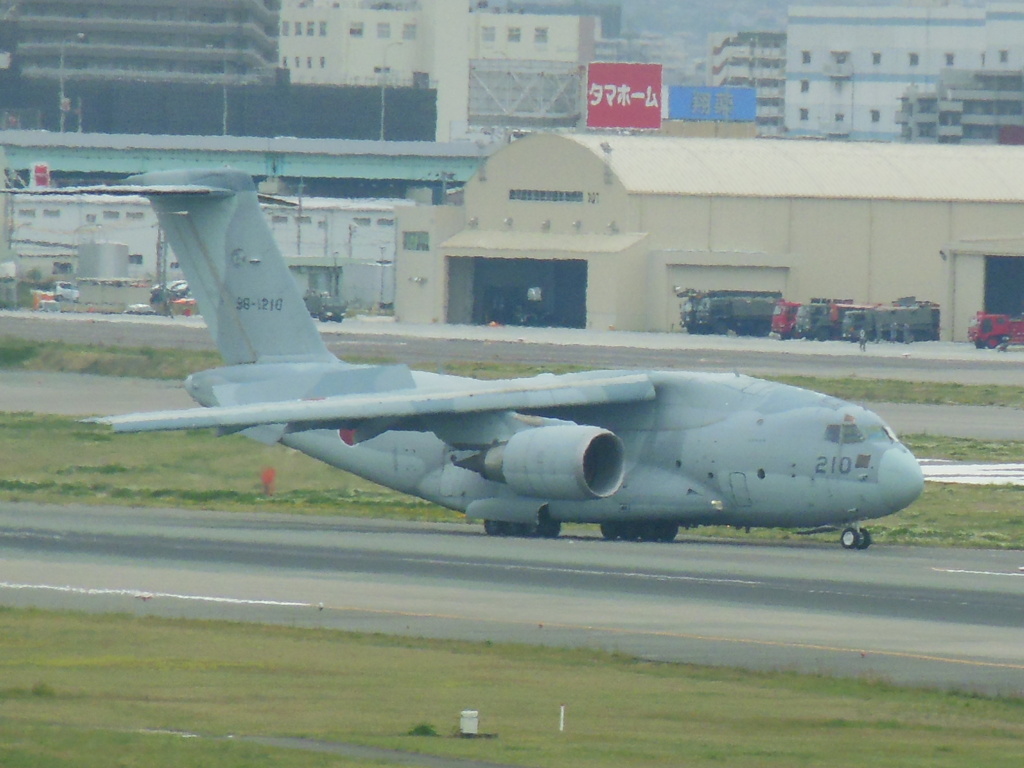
[(855, 538)]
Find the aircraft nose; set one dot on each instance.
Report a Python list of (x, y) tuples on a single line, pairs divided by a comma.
[(900, 477)]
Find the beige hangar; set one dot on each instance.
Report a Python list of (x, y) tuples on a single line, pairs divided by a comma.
[(603, 231)]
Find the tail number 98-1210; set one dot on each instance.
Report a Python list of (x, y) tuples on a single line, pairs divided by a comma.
[(264, 304)]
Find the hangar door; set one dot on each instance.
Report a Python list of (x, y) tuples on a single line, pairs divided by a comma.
[(1004, 285), (536, 292)]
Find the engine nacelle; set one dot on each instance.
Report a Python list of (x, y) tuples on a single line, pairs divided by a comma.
[(568, 461)]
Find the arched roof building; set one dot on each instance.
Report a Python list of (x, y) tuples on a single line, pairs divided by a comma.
[(605, 231)]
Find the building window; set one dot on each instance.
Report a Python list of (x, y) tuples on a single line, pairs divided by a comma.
[(416, 241), (384, 30), (540, 35), (51, 213), (385, 222), (487, 34), (361, 221), (323, 62), (876, 116), (876, 58), (135, 258), (309, 62), (805, 86), (950, 58), (90, 218), (515, 34), (310, 28), (135, 215), (355, 29), (111, 215), (408, 31), (805, 57), (914, 59), (298, 27), (27, 213), (805, 115), (279, 219), (839, 57), (297, 62), (1004, 57), (545, 195), (284, 62), (323, 29), (840, 117)]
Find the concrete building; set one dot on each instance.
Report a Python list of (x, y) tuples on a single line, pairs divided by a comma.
[(848, 67), (345, 247), (752, 60), (966, 107), (158, 40), (488, 68), (604, 231)]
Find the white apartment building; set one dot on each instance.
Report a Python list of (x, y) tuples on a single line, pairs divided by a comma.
[(847, 67), (752, 60), (479, 61)]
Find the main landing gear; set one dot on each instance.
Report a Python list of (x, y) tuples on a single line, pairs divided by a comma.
[(855, 538), (648, 530)]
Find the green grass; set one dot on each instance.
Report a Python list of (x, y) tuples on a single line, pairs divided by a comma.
[(77, 690), (142, 362), (54, 459)]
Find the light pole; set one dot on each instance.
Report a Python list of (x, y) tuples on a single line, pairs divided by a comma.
[(62, 100)]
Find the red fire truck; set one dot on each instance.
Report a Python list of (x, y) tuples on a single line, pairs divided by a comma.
[(992, 330)]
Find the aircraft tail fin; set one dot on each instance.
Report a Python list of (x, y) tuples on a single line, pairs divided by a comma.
[(251, 304)]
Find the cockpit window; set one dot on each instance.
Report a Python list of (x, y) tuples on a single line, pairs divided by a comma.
[(844, 433), (879, 432)]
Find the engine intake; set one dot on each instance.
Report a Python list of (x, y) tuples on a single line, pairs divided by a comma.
[(568, 462)]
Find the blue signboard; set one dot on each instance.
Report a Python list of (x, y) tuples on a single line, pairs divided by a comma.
[(720, 103)]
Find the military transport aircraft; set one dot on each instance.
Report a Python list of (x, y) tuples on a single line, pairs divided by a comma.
[(640, 453)]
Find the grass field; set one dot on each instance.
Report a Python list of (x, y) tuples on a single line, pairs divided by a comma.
[(114, 683)]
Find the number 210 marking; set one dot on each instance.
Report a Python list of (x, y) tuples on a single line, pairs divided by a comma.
[(837, 465)]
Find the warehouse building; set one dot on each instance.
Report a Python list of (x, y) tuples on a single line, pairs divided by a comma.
[(602, 231)]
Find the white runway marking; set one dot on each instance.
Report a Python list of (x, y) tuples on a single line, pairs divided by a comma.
[(141, 595), (945, 471), (977, 573)]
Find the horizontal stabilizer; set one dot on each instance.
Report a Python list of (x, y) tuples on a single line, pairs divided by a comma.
[(539, 393)]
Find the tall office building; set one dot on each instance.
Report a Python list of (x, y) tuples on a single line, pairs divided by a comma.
[(752, 60), (201, 41)]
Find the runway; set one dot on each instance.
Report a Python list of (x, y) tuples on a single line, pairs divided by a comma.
[(942, 618)]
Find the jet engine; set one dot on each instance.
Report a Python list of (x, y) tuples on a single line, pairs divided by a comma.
[(568, 461)]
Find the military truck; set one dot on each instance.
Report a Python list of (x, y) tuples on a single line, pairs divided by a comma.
[(822, 319), (745, 313), (905, 320), (324, 307)]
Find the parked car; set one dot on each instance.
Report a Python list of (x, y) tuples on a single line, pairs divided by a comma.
[(139, 309), (65, 291)]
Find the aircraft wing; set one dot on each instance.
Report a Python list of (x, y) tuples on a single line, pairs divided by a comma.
[(538, 393)]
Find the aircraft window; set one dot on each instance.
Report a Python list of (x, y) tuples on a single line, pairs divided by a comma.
[(851, 434), (832, 433), (879, 432)]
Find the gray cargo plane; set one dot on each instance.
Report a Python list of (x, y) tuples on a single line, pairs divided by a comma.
[(639, 453)]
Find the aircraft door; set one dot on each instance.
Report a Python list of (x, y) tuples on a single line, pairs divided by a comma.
[(739, 490)]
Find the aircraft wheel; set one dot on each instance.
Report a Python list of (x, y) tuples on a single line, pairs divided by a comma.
[(611, 531), (865, 539), (666, 531), (495, 528), (851, 538), (548, 528)]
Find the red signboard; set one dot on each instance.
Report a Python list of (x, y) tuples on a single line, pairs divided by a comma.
[(623, 95)]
